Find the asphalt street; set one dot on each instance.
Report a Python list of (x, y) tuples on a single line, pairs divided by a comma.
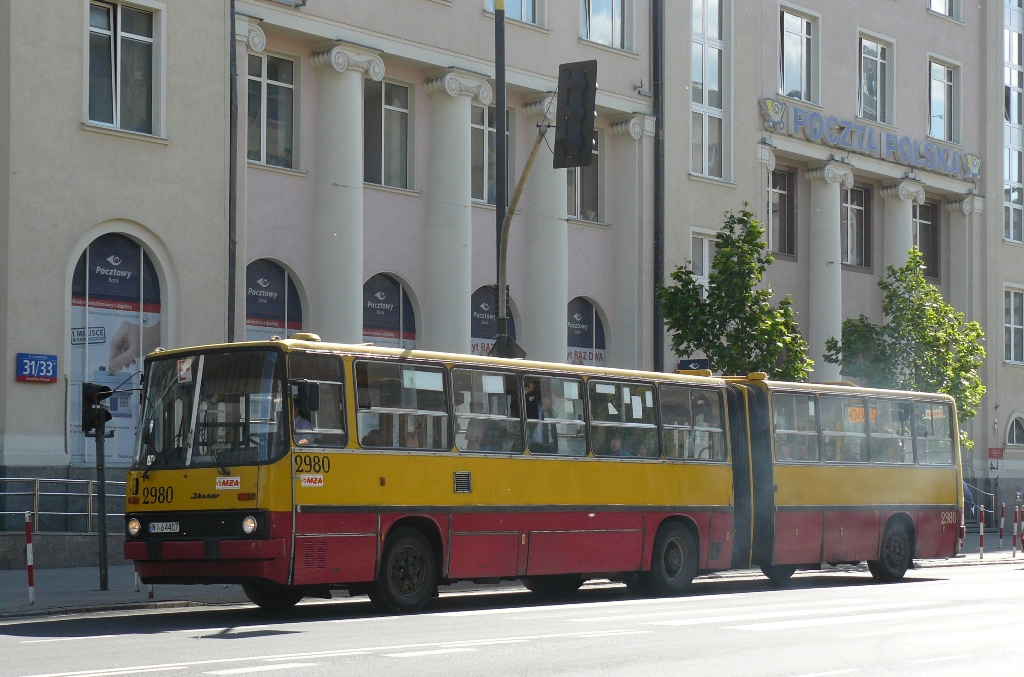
[(940, 620)]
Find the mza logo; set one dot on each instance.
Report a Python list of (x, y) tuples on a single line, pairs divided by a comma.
[(229, 483), (312, 480)]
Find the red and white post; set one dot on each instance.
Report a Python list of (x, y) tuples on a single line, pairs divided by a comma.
[(1002, 519), (1016, 516), (981, 532), (28, 558)]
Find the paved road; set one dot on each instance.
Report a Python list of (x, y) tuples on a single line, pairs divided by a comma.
[(948, 620)]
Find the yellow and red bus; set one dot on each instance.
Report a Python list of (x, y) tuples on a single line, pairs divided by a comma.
[(296, 466)]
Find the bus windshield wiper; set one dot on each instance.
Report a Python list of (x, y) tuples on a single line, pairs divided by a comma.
[(157, 457)]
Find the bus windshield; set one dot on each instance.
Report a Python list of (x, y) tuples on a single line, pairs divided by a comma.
[(237, 418)]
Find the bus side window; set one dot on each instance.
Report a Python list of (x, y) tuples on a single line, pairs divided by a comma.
[(408, 405)]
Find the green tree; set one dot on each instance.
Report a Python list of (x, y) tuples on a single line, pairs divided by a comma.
[(925, 345), (734, 322)]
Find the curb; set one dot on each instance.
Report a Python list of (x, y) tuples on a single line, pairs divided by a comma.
[(95, 608)]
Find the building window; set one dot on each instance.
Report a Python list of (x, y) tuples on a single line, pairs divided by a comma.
[(873, 97), (854, 227), (585, 334), (1013, 325), (1013, 195), (271, 110), (950, 8), (388, 316), (926, 237), (526, 11), (272, 303), (797, 57), (609, 22), (584, 187), (386, 134), (483, 320), (485, 157), (781, 213), (121, 67), (941, 101), (1015, 433), (702, 255), (1013, 76), (707, 118)]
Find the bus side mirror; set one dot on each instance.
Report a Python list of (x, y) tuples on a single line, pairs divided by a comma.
[(309, 396)]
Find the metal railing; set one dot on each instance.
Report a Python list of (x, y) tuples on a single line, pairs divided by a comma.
[(58, 505)]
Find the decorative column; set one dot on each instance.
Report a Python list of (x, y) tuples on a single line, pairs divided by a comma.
[(449, 246), (825, 306), (959, 248), (898, 237), (338, 191), (626, 237), (547, 245)]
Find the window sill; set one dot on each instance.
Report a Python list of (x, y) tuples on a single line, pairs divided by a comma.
[(1017, 243), (392, 189), (124, 134), (1012, 364), (863, 270), (521, 24), (946, 141), (277, 170), (790, 258), (445, 3), (483, 205), (712, 180), (608, 48), (945, 17), (588, 224), (869, 121)]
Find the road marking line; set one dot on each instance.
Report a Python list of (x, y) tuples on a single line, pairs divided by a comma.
[(862, 618), (434, 652), (936, 660), (827, 674), (823, 611), (65, 639), (732, 612), (261, 668)]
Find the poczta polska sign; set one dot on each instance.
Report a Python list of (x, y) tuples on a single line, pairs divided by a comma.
[(861, 138)]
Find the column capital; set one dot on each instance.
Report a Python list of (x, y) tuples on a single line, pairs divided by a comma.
[(632, 126), (543, 108), (904, 190), (248, 31), (456, 82), (832, 172), (968, 205), (766, 156), (343, 56)]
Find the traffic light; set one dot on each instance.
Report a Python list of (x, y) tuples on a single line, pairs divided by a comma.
[(574, 120), (93, 411)]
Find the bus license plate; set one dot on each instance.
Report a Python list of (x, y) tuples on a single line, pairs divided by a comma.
[(163, 527)]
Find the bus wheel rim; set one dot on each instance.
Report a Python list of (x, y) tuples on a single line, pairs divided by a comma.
[(674, 559), (407, 570), (895, 551)]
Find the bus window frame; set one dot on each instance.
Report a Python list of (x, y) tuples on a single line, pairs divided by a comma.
[(871, 399), (520, 402), (723, 414), (953, 432), (842, 395), (583, 378), (449, 402), (620, 381), (817, 424)]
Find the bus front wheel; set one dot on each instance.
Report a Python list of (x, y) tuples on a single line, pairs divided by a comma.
[(894, 559), (674, 563), (778, 573), (272, 596), (408, 572)]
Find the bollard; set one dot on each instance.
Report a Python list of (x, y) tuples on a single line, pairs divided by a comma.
[(1002, 519), (28, 558), (1016, 516), (981, 532)]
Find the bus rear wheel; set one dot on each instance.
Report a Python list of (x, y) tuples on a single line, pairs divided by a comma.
[(272, 596), (553, 586), (674, 563), (778, 573), (894, 559), (408, 572)]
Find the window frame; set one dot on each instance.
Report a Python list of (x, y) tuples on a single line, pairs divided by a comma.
[(1012, 439), (158, 76), (594, 424), (953, 9), (884, 107), (381, 140), (932, 258), (691, 426), (704, 110), (707, 255), (446, 385), (626, 29), (1010, 327), (516, 404), (846, 208), (540, 11), (790, 209), (488, 132), (577, 177), (951, 85), (810, 58), (265, 57)]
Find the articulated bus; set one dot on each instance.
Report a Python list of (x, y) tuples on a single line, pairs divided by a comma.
[(295, 467)]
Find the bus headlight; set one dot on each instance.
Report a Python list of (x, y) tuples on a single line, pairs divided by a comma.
[(249, 524), (134, 527)]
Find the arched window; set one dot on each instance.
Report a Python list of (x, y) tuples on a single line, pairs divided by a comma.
[(1015, 432), (388, 316), (586, 334), (272, 303), (484, 320), (115, 322)]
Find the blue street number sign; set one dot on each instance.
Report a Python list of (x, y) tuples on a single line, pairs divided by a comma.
[(36, 368)]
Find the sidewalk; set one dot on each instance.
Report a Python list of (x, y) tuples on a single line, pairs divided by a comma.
[(75, 590)]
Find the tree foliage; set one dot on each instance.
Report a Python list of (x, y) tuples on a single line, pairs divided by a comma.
[(734, 323), (925, 345)]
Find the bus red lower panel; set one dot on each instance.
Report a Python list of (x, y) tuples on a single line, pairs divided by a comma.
[(851, 535), (553, 552), (327, 559), (208, 571), (936, 532), (484, 555), (797, 537)]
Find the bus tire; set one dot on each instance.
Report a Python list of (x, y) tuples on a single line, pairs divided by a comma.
[(553, 586), (272, 596), (408, 572), (778, 574), (895, 556), (674, 562)]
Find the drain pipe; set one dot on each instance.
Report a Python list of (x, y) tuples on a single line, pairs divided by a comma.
[(232, 178), (658, 89)]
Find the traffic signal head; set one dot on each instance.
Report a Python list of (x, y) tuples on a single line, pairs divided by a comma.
[(93, 411), (574, 118)]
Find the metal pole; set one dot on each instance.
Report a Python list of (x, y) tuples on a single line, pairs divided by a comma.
[(981, 532), (101, 480), (88, 510), (232, 176), (28, 558), (501, 151), (658, 89), (35, 503), (1002, 519), (1016, 516)]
